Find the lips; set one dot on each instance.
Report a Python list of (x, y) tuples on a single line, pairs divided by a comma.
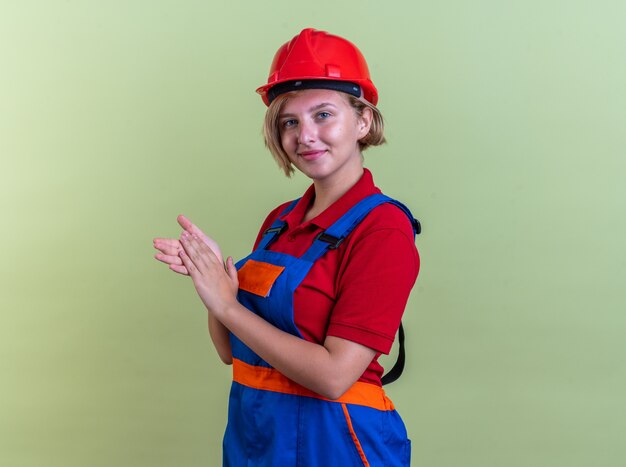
[(312, 155)]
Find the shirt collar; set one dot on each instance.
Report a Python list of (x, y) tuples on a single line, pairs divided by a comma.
[(361, 189)]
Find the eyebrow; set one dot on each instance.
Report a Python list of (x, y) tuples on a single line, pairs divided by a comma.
[(312, 109)]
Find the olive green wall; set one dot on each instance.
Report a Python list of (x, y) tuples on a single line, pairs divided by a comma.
[(506, 128)]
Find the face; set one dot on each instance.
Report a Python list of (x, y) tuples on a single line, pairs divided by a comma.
[(320, 132)]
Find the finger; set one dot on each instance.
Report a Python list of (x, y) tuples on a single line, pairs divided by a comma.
[(179, 269), (189, 226), (193, 229), (168, 246), (169, 259), (232, 270), (165, 240), (185, 223), (205, 249), (191, 268), (193, 249), (204, 252)]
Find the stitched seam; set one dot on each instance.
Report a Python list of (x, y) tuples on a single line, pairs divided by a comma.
[(362, 329), (355, 439)]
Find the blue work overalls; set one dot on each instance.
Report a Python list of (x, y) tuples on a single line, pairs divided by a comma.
[(275, 422)]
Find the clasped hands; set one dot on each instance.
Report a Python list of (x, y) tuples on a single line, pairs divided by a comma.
[(197, 255)]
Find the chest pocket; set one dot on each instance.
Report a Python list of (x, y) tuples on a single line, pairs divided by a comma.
[(258, 277)]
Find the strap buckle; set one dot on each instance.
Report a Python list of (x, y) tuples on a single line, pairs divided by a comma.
[(278, 230), (334, 241)]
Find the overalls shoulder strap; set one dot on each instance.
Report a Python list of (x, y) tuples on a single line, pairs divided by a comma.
[(333, 236), (277, 227)]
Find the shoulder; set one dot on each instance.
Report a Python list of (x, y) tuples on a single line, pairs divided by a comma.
[(385, 235), (388, 230), (387, 216)]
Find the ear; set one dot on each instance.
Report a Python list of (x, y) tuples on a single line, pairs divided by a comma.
[(365, 122)]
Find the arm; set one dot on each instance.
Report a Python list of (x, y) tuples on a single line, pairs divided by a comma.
[(221, 339), (328, 369)]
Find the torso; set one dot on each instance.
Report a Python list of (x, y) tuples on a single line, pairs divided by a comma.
[(339, 295)]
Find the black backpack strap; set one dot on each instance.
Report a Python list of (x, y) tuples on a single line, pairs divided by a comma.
[(398, 367)]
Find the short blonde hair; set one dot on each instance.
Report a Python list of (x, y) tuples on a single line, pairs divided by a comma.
[(271, 128)]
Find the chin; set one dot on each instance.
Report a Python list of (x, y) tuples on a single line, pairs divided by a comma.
[(314, 173)]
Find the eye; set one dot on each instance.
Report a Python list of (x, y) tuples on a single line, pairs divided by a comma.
[(288, 123), (323, 115)]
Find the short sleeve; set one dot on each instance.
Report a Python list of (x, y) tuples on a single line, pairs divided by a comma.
[(374, 283)]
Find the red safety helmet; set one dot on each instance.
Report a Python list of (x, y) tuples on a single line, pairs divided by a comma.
[(317, 59)]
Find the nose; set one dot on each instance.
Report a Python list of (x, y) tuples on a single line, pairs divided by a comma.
[(306, 132)]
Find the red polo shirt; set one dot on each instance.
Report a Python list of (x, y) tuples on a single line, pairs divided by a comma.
[(358, 291)]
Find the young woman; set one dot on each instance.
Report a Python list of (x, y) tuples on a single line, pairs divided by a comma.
[(304, 318)]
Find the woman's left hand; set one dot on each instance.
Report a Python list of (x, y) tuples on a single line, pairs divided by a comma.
[(216, 283)]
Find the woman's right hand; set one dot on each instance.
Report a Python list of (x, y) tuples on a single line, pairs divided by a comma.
[(170, 247)]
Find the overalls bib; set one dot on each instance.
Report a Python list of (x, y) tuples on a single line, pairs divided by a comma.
[(275, 422)]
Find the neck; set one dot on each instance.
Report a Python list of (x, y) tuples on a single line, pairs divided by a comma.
[(328, 191)]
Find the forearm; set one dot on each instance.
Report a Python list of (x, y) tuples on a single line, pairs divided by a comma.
[(221, 339), (325, 371), (328, 369)]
